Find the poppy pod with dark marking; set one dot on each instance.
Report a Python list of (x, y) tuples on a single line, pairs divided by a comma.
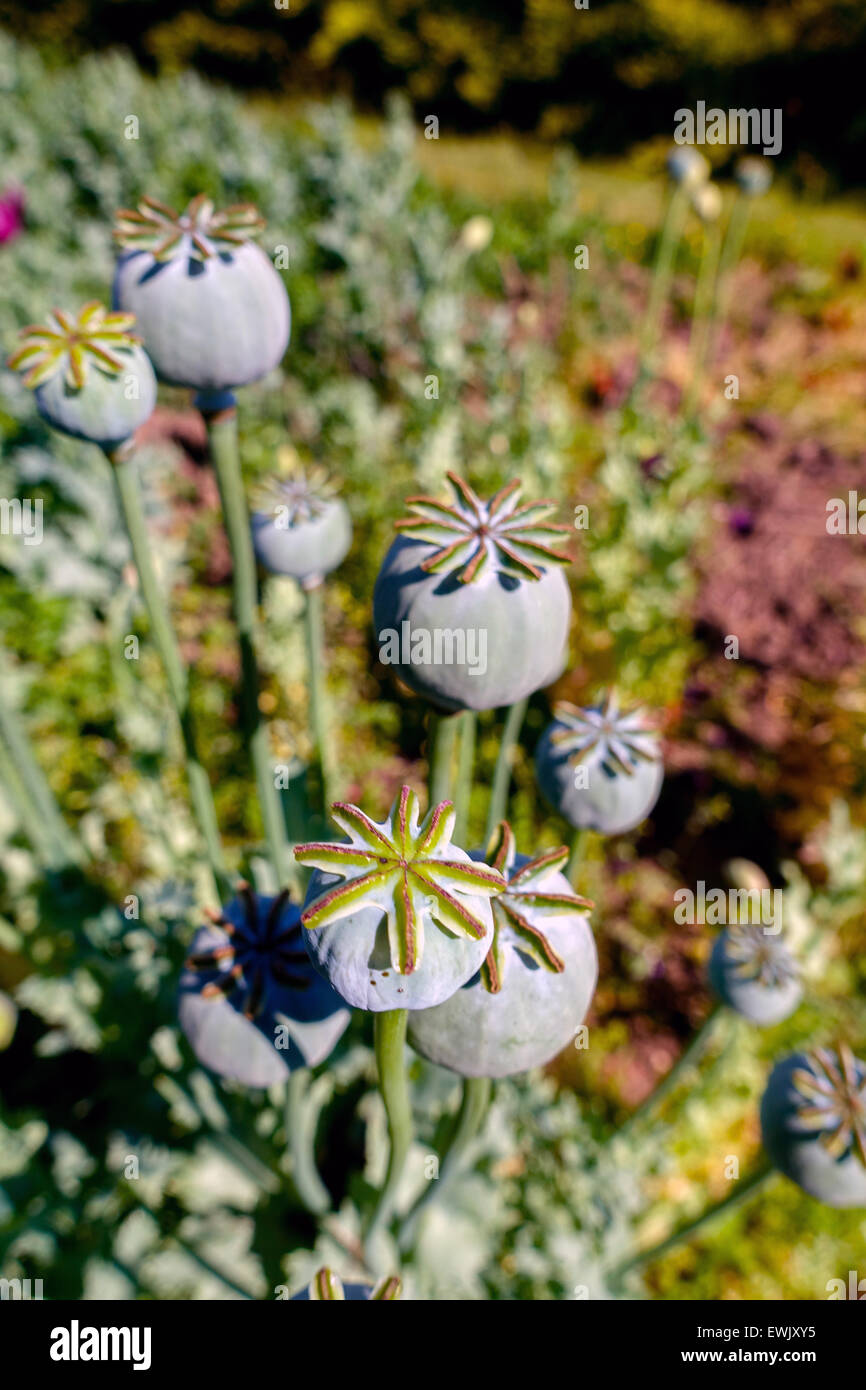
[(250, 1003), (328, 1287), (471, 607), (813, 1123), (534, 988), (396, 915)]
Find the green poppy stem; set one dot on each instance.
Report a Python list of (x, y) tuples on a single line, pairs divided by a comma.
[(301, 1139), (222, 427), (704, 315), (442, 739), (579, 846), (129, 496), (465, 768), (313, 633), (668, 1084), (672, 229), (743, 1189), (497, 808), (474, 1104), (732, 247), (25, 785), (389, 1041)]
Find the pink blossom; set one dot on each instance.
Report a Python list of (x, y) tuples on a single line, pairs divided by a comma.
[(11, 214)]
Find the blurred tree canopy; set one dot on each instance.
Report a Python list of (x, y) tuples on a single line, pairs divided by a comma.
[(606, 75)]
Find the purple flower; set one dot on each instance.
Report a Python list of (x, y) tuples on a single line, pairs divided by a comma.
[(11, 214)]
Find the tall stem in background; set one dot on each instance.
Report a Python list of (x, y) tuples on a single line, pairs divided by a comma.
[(497, 807), (24, 783), (222, 427), (465, 768), (732, 247), (691, 1054), (474, 1105), (129, 495), (702, 325), (672, 228), (389, 1041), (313, 630), (300, 1138)]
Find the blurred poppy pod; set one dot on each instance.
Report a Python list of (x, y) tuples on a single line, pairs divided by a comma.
[(8, 1020), (250, 1003), (301, 527), (687, 166), (813, 1123), (754, 175), (754, 972), (411, 920), (328, 1287), (536, 983), (213, 312), (91, 378), (471, 606), (601, 767), (707, 202)]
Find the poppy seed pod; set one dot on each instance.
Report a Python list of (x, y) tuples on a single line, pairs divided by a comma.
[(813, 1123), (411, 920), (536, 983), (707, 202), (687, 166), (328, 1287), (91, 377), (249, 1002), (213, 311), (754, 973), (600, 767), (754, 175), (300, 527), (471, 607)]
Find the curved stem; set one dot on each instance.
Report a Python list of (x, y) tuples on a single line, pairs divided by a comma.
[(496, 810), (474, 1105), (672, 227), (222, 427), (669, 1082), (735, 235), (301, 1138), (313, 629), (389, 1040), (442, 737), (465, 767), (34, 800), (744, 1189), (129, 496), (702, 325)]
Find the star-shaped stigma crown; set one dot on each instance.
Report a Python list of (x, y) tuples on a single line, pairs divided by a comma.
[(833, 1100), (199, 231), (407, 869), (523, 904), (73, 345), (264, 943), (618, 739), (327, 1287), (298, 494), (758, 955), (470, 535)]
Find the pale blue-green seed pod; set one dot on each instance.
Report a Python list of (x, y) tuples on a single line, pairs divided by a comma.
[(687, 166), (533, 991), (397, 916), (600, 768), (755, 974), (212, 310), (327, 1287), (754, 175), (471, 607), (813, 1124), (300, 527), (91, 378)]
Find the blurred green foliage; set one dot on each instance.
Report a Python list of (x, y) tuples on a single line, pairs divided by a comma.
[(609, 73)]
